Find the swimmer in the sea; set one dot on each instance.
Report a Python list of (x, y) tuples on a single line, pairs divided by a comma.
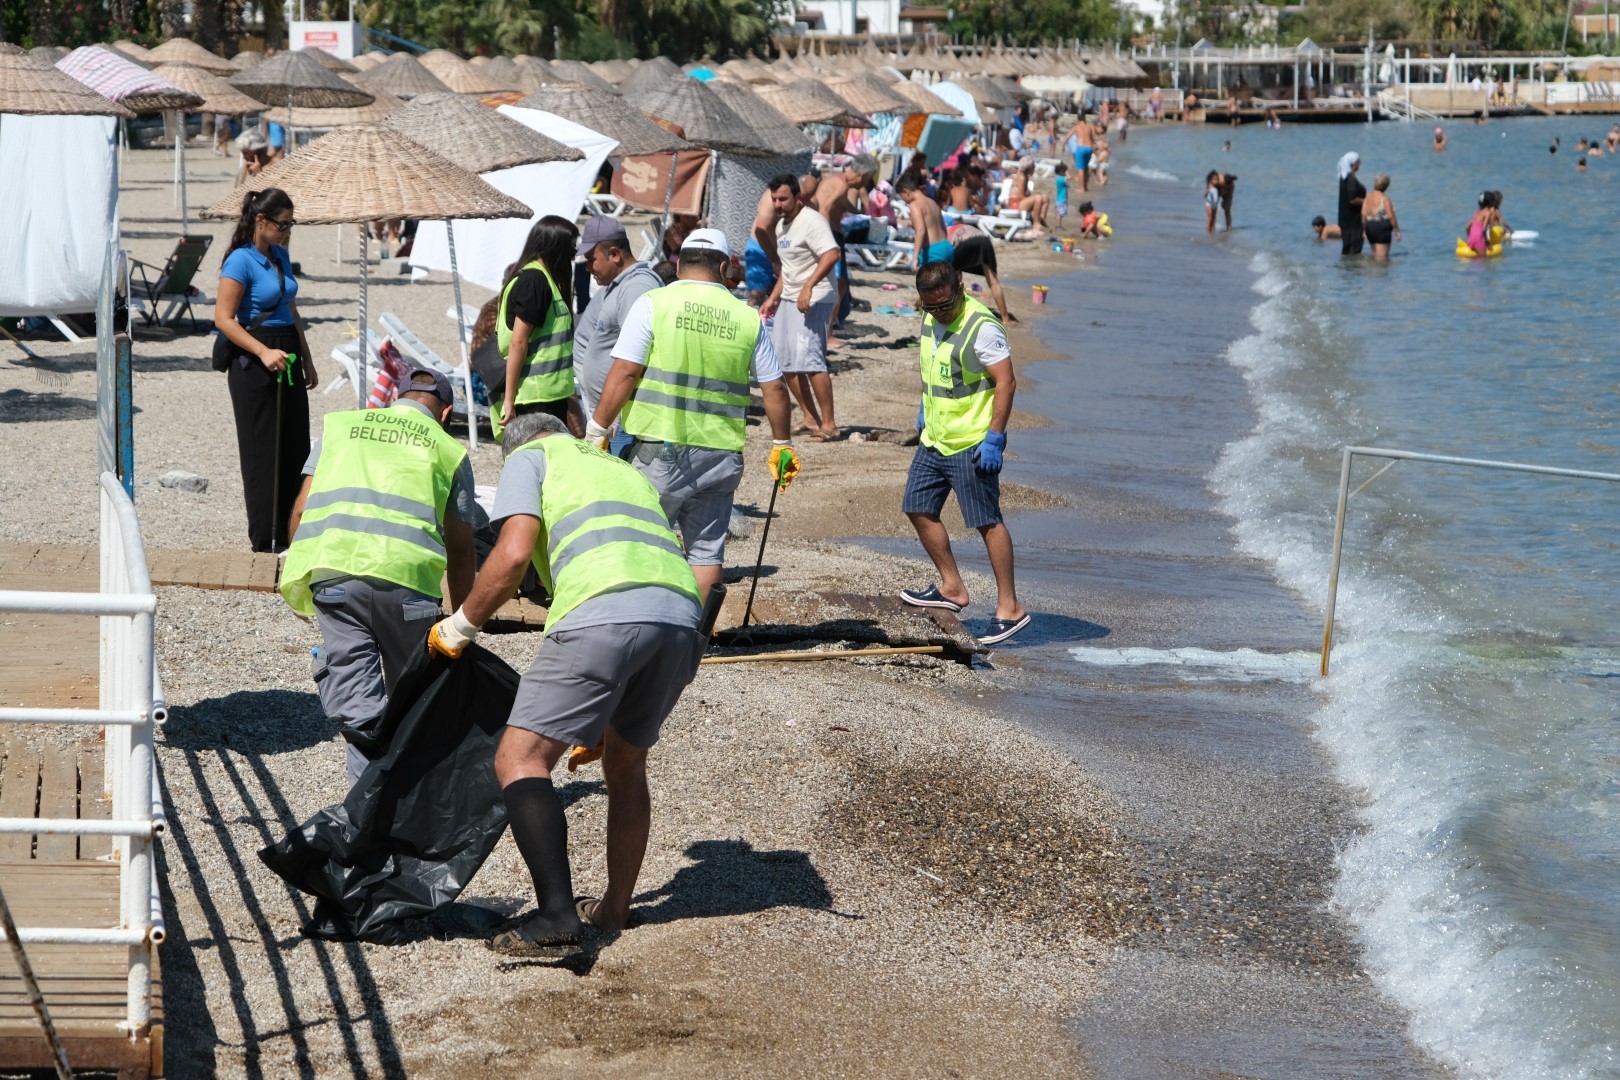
[(1439, 141), (1324, 231)]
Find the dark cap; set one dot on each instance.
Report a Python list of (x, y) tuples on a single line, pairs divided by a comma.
[(600, 228), (440, 389)]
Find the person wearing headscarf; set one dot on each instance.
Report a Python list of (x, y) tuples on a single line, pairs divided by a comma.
[(1351, 194)]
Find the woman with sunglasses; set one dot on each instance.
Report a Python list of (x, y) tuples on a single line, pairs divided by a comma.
[(270, 372)]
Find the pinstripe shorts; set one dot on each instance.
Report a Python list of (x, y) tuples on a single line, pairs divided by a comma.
[(934, 475)]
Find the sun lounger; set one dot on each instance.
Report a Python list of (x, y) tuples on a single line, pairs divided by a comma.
[(607, 203), (890, 255), (347, 357), (469, 316), (415, 349)]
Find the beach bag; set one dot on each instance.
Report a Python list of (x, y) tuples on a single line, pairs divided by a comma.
[(490, 366)]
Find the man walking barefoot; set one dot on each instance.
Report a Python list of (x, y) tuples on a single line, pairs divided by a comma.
[(968, 387)]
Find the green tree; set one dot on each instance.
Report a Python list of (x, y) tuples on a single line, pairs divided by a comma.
[(1030, 22)]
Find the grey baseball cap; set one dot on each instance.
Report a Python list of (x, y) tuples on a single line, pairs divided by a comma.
[(441, 384), (600, 228)]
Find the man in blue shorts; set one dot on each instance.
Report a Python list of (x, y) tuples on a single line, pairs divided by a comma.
[(968, 387)]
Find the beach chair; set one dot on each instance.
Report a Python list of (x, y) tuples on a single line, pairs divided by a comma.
[(170, 285), (469, 316), (460, 375), (607, 203), (889, 255), (347, 357)]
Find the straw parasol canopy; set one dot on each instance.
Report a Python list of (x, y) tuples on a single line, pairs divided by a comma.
[(706, 120), (330, 62), (577, 71), (988, 93), (607, 114), (648, 75), (123, 80), (30, 88), (366, 172), (296, 78), (477, 138), (868, 93), (367, 61), (404, 76), (8, 49), (921, 99), (216, 95), (773, 131), (462, 77), (186, 51), (246, 59), (806, 101), (509, 73), (134, 50), (614, 71), (49, 53), (381, 107), (539, 67)]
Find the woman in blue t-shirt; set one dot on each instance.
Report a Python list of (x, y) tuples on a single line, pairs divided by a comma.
[(270, 372)]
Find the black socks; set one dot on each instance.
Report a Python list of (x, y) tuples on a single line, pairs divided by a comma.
[(541, 831)]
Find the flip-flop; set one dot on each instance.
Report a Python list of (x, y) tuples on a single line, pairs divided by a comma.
[(929, 598), (1000, 630), (822, 436), (513, 943), (583, 906)]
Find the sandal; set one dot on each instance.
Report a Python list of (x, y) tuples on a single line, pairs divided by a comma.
[(515, 943), (583, 906)]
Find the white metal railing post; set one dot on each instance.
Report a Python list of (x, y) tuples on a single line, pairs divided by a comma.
[(139, 867), (1393, 457)]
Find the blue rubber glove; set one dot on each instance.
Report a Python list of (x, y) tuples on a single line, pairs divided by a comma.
[(987, 455), (920, 420)]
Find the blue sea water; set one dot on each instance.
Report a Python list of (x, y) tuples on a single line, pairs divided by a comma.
[(1475, 691)]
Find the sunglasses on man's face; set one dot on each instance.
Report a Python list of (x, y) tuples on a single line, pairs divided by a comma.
[(942, 306)]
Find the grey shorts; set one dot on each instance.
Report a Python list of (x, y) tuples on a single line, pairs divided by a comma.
[(695, 486), (800, 339), (629, 675)]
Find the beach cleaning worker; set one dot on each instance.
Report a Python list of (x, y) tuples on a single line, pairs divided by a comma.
[(622, 641), (534, 327), (968, 387), (385, 513), (679, 387)]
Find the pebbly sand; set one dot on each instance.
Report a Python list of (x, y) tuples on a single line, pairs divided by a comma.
[(856, 868)]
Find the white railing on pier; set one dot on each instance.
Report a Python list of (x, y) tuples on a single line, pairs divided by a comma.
[(129, 708), (1399, 107)]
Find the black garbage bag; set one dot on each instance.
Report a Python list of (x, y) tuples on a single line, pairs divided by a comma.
[(424, 815)]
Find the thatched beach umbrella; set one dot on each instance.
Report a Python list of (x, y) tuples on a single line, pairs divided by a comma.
[(648, 75), (480, 140), (988, 93), (367, 173), (382, 106), (461, 77), (404, 76), (577, 71), (50, 54), (132, 49), (806, 101), (699, 112), (218, 96), (31, 88), (246, 59), (607, 114), (614, 71), (367, 61), (509, 73), (296, 78), (920, 99), (868, 93), (186, 51), (773, 130), (9, 49), (329, 61)]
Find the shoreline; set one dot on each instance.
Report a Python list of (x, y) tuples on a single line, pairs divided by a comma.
[(856, 868)]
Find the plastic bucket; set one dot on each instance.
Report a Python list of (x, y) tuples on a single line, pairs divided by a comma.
[(1040, 294), (1068, 245)]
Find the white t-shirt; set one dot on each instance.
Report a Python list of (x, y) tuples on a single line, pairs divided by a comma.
[(635, 340), (800, 245), (991, 344)]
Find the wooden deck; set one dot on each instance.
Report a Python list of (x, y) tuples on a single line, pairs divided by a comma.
[(66, 881), (51, 661)]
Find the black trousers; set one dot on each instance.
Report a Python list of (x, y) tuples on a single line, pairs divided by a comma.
[(270, 484), (1352, 237)]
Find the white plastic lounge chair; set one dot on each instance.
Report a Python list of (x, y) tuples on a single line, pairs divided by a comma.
[(347, 357), (889, 255), (607, 203), (414, 348)]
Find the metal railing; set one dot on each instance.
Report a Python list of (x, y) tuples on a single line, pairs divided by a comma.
[(1393, 458), (1401, 107), (127, 711)]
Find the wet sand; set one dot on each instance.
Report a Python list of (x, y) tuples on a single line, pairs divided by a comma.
[(899, 867)]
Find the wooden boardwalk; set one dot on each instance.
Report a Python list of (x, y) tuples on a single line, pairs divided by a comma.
[(51, 661)]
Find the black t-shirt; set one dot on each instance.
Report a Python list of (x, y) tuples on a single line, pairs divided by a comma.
[(530, 299)]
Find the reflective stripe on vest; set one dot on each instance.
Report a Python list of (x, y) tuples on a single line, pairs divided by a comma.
[(695, 389), (957, 393), (602, 528), (548, 366), (376, 503)]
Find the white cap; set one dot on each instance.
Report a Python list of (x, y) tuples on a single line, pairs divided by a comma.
[(708, 240)]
